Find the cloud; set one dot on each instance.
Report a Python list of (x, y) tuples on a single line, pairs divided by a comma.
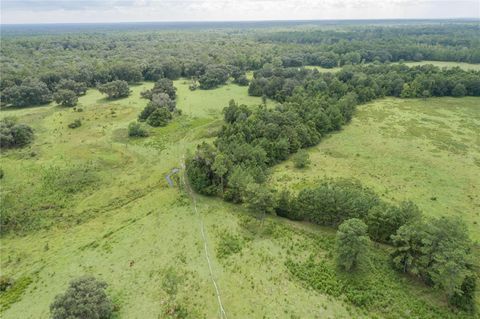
[(45, 11)]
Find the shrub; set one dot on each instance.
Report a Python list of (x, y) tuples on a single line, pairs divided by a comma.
[(135, 129), (5, 283), (65, 98), (352, 243), (75, 124), (159, 117), (13, 134), (301, 159), (84, 298)]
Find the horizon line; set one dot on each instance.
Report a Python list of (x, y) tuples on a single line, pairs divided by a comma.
[(236, 21)]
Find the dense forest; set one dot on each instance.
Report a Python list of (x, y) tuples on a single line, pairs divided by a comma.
[(293, 68)]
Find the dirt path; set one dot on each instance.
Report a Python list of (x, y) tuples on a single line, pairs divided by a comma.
[(191, 194)]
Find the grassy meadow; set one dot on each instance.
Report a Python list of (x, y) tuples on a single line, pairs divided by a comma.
[(97, 202)]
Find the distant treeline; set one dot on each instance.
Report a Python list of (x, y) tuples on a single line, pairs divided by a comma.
[(34, 67)]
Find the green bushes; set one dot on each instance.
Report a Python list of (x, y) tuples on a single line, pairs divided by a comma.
[(136, 130), (13, 134), (301, 159), (84, 298), (159, 117)]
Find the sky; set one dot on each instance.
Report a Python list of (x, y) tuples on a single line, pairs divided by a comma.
[(91, 11)]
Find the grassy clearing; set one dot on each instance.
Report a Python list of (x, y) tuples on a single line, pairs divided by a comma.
[(440, 64), (425, 151), (119, 220), (445, 64)]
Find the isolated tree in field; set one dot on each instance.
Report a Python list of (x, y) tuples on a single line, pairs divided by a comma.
[(84, 298), (65, 98), (301, 159), (115, 89), (459, 90), (159, 117), (352, 243)]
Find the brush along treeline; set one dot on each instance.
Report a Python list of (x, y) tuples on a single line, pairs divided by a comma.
[(438, 251)]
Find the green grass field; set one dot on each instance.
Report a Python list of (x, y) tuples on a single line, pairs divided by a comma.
[(424, 151), (98, 203)]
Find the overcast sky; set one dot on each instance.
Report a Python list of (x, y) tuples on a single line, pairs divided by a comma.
[(61, 11)]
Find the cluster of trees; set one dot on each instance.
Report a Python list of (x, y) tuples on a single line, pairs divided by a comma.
[(162, 103), (13, 134)]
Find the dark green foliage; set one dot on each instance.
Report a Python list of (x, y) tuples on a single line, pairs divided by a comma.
[(30, 92), (214, 76), (84, 298), (66, 84), (241, 80), (136, 130), (115, 89), (126, 72), (285, 206), (75, 124), (161, 86), (385, 219), (200, 172), (159, 117), (259, 198), (464, 298), (13, 134), (459, 90), (332, 202), (301, 159), (65, 98), (352, 243), (438, 252)]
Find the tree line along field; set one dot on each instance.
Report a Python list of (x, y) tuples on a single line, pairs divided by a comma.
[(84, 188)]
